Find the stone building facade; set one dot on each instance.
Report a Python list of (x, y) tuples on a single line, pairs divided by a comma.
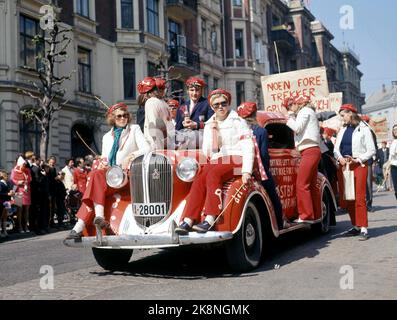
[(230, 43)]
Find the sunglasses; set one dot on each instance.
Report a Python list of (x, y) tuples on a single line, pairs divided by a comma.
[(120, 116), (222, 104)]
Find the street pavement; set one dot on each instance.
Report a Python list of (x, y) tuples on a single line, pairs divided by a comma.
[(302, 266)]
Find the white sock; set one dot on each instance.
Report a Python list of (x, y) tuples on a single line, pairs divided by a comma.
[(210, 219), (364, 230), (99, 210), (188, 221), (79, 226)]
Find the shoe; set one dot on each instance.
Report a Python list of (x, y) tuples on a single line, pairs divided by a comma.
[(299, 220), (21, 231), (351, 232), (27, 230), (202, 227), (183, 229), (363, 236), (73, 235), (101, 222)]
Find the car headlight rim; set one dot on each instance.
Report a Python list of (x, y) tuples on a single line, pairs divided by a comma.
[(115, 177), (187, 169)]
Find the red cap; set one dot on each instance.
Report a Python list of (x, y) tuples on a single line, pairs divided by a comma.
[(146, 85), (301, 100), (115, 107), (160, 83), (220, 91), (246, 109), (348, 107), (288, 102), (365, 118), (173, 103), (329, 131), (195, 82)]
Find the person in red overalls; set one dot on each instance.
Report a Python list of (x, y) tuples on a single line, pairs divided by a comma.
[(355, 145), (228, 144), (303, 121), (120, 146), (80, 175)]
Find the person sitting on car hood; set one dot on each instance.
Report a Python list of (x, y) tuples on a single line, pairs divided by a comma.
[(228, 144), (120, 146)]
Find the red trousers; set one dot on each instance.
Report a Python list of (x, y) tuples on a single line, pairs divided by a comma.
[(206, 190), (97, 190), (358, 209), (306, 182)]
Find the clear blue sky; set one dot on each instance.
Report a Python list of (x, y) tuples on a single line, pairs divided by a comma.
[(373, 38)]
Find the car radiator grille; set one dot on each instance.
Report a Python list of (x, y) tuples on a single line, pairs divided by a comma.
[(151, 182)]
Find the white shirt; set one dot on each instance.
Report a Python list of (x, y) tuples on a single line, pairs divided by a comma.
[(233, 133), (306, 128), (69, 178), (159, 129), (363, 146), (393, 153), (132, 142)]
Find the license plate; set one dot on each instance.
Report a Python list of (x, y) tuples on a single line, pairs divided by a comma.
[(149, 209)]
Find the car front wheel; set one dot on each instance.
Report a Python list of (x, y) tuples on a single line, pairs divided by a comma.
[(245, 249)]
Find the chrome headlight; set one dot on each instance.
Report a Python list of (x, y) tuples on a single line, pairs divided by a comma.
[(187, 169), (115, 177)]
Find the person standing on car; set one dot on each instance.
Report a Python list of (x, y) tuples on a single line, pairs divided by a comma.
[(120, 146), (228, 145), (158, 127), (302, 119), (393, 159), (247, 111), (188, 115), (355, 146)]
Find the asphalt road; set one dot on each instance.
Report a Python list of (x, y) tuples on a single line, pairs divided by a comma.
[(302, 266)]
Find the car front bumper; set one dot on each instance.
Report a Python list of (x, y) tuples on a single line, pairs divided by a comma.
[(148, 241)]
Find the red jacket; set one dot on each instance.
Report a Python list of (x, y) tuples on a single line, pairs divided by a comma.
[(80, 179)]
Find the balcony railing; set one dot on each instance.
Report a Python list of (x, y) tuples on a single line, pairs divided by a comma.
[(192, 4), (185, 57), (283, 38)]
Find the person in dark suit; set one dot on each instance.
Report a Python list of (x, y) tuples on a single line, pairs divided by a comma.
[(197, 107), (383, 157)]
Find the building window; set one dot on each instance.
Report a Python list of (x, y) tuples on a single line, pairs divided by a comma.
[(204, 33), (239, 44), (82, 8), (237, 3), (207, 81), (152, 69), (177, 90), (258, 50), (28, 29), (174, 30), (84, 58), (254, 6), (216, 83), (129, 78), (153, 17), (127, 14), (240, 92), (30, 135)]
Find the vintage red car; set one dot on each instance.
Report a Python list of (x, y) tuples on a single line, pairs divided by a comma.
[(152, 195)]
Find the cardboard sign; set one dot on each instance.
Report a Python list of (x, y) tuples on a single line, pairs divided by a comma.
[(309, 82), (379, 125), (331, 103)]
